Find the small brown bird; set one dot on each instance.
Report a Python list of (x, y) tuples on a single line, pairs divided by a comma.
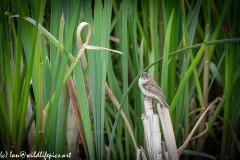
[(150, 88)]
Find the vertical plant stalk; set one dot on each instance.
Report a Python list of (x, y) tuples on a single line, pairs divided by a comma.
[(145, 17), (151, 23), (186, 42), (8, 76), (125, 65), (26, 89), (168, 132), (17, 84), (57, 88), (201, 143), (207, 58), (161, 33), (229, 81), (206, 9), (165, 67), (39, 76), (37, 93), (185, 94), (136, 57), (152, 131), (153, 12), (171, 85)]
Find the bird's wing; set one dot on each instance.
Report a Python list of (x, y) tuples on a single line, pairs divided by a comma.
[(164, 104), (152, 87)]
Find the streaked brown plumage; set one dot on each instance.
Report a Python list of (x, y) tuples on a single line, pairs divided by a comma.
[(150, 88)]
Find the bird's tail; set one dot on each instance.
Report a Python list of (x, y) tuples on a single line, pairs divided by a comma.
[(164, 103)]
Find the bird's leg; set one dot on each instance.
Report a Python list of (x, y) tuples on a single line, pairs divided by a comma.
[(155, 103), (147, 98)]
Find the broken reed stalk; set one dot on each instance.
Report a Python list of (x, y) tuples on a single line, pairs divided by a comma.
[(153, 135), (168, 133), (152, 131)]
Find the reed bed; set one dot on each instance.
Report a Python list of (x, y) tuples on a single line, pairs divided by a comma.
[(69, 76)]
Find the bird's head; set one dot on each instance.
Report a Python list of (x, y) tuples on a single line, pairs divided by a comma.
[(144, 78)]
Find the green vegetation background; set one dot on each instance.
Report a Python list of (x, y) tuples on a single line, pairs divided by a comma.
[(39, 70)]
